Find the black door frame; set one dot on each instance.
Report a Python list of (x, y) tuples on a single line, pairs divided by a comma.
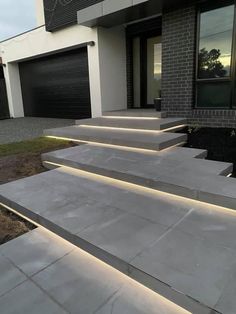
[(4, 108), (143, 63), (144, 30)]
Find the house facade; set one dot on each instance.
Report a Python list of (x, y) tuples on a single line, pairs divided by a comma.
[(90, 56)]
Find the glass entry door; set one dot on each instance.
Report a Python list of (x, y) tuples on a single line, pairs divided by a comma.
[(147, 56), (153, 69)]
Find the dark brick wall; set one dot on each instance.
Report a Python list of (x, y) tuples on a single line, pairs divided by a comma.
[(178, 72), (178, 42), (213, 118)]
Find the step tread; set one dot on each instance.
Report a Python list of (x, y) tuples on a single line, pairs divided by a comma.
[(153, 237), (140, 164), (138, 139), (192, 178), (140, 124)]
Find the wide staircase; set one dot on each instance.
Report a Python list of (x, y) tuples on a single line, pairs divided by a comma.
[(133, 197)]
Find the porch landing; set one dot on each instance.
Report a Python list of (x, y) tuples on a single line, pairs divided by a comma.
[(177, 246)]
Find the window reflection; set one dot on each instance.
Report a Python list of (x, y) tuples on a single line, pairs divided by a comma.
[(215, 43)]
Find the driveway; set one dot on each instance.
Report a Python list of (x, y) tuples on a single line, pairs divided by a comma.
[(20, 129)]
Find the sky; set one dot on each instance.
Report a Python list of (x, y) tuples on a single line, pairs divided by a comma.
[(16, 16)]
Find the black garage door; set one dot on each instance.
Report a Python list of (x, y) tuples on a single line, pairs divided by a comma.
[(57, 86)]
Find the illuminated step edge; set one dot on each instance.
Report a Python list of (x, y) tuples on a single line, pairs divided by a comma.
[(139, 163), (136, 139), (168, 292), (142, 124), (213, 189)]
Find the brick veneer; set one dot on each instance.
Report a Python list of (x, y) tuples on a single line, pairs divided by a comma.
[(178, 71)]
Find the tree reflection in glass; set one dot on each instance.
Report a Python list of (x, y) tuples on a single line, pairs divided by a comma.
[(215, 45)]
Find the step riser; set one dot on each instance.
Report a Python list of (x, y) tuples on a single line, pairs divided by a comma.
[(124, 267), (182, 191)]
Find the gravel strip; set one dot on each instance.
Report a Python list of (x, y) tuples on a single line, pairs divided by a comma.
[(20, 129)]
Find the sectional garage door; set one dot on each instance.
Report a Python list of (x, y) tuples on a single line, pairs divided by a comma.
[(57, 86)]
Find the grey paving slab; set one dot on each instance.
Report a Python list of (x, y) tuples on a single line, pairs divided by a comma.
[(133, 230), (155, 208), (21, 129), (137, 139), (124, 237), (99, 195), (28, 299), (136, 113), (212, 225), (188, 177), (10, 276), (83, 284), (221, 191), (27, 192), (108, 161), (171, 153), (76, 218), (79, 283), (74, 283), (227, 302), (183, 152), (35, 250), (189, 264), (139, 124), (130, 300)]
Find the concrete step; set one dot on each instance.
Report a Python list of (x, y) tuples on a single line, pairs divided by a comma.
[(148, 113), (139, 124), (137, 139), (189, 177), (41, 266), (157, 239)]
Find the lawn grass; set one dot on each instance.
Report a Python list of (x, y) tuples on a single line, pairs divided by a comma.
[(20, 160), (37, 145), (23, 159)]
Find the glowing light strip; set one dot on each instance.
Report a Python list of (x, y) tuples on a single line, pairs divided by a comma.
[(19, 214), (229, 175), (134, 187), (131, 130), (119, 129), (138, 285), (126, 148), (133, 118), (174, 128)]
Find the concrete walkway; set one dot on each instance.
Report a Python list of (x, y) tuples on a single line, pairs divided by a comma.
[(16, 130), (42, 273), (177, 246)]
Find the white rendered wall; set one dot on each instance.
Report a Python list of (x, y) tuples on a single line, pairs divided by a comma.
[(11, 73), (38, 42), (112, 55), (39, 12)]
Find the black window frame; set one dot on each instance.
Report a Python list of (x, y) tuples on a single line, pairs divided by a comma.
[(204, 7)]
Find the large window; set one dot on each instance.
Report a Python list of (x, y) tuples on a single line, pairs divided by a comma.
[(216, 61)]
